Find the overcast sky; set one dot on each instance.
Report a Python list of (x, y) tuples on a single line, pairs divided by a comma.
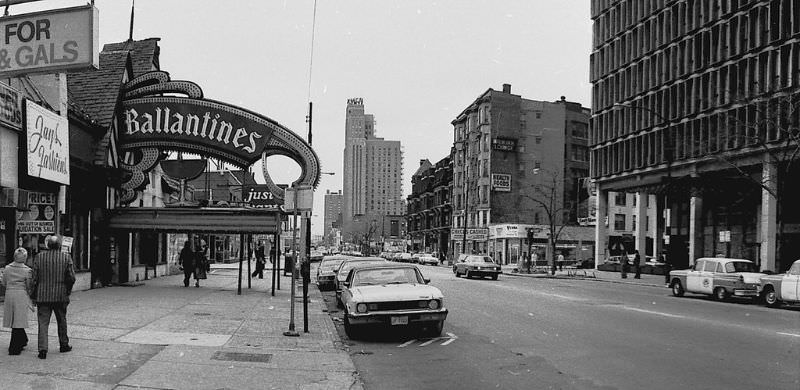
[(417, 64)]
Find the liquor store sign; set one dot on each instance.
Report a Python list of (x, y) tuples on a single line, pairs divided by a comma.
[(50, 41)]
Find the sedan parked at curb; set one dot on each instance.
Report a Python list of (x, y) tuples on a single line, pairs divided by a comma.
[(425, 258), (782, 287), (718, 276), (344, 269), (396, 295), (326, 272), (476, 265)]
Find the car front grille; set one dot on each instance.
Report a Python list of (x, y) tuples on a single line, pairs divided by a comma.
[(401, 305)]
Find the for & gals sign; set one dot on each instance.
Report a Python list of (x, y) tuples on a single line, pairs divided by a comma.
[(48, 143)]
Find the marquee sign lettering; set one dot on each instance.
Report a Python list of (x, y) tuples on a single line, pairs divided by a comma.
[(150, 124)]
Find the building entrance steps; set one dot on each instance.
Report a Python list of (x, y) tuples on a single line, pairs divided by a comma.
[(164, 335)]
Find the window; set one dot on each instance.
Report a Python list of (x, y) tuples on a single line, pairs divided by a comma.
[(620, 198), (633, 221), (619, 221), (538, 140)]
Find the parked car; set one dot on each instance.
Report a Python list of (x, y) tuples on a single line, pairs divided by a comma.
[(781, 287), (404, 257), (476, 265), (316, 256), (395, 256), (396, 295), (326, 272), (717, 276), (346, 266), (425, 258)]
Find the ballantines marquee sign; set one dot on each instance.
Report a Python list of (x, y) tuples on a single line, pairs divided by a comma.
[(150, 122), (212, 127)]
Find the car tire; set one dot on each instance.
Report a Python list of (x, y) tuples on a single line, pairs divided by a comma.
[(494, 277), (677, 288), (771, 297), (720, 294), (349, 329), (455, 272)]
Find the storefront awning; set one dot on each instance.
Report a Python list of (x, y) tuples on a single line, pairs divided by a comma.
[(185, 220)]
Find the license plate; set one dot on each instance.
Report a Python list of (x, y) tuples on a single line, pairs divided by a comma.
[(399, 320)]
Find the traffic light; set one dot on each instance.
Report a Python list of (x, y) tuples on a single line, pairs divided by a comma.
[(530, 235)]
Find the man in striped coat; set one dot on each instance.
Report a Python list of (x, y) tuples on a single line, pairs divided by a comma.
[(53, 278)]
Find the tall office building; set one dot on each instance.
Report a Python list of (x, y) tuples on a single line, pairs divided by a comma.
[(696, 102), (373, 172), (333, 211)]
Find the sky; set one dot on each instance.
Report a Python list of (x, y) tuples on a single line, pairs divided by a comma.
[(417, 64)]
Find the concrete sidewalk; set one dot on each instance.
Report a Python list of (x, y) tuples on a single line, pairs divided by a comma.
[(590, 274), (162, 335)]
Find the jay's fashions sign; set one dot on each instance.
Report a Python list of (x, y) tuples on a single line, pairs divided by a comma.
[(48, 143)]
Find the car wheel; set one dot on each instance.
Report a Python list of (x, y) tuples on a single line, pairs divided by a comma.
[(349, 329), (771, 297), (677, 288), (494, 277), (435, 328), (720, 294), (455, 272)]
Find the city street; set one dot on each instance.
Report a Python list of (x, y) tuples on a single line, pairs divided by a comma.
[(521, 332)]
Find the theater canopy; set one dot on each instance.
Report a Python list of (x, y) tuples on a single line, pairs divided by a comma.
[(206, 220)]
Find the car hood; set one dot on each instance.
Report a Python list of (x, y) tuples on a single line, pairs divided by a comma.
[(395, 292)]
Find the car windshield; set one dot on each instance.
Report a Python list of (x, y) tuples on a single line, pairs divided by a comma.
[(330, 263), (381, 276), (480, 259), (740, 266), (345, 268)]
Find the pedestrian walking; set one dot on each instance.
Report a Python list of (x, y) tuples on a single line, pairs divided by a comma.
[(667, 268), (186, 262), (18, 281), (560, 261), (53, 278), (637, 262), (624, 265), (201, 264), (260, 261)]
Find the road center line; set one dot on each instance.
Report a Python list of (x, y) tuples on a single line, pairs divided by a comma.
[(788, 334), (652, 312)]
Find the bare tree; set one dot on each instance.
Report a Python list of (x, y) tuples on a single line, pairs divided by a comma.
[(362, 234), (547, 195), (769, 129)]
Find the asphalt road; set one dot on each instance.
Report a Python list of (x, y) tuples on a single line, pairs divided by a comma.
[(525, 333)]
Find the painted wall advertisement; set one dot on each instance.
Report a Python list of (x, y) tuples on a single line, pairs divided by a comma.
[(40, 217), (10, 107), (48, 143), (51, 41), (501, 182)]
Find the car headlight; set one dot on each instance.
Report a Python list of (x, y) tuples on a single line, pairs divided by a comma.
[(433, 304), (361, 308)]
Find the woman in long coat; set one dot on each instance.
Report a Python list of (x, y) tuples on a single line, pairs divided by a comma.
[(200, 263), (18, 282)]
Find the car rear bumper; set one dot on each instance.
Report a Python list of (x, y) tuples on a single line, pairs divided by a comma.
[(483, 272), (385, 318)]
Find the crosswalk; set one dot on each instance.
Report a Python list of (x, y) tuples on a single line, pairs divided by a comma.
[(446, 340)]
